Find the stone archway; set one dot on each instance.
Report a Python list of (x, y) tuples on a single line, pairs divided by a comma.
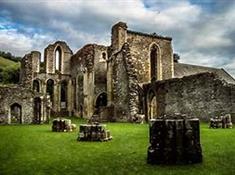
[(101, 100), (37, 110), (64, 94), (36, 85), (50, 89), (16, 113), (155, 67)]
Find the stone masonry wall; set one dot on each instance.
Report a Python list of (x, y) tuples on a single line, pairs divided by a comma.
[(83, 72), (100, 70), (49, 57), (26, 71), (16, 94), (140, 45), (202, 95), (30, 64), (125, 84), (57, 79), (120, 87)]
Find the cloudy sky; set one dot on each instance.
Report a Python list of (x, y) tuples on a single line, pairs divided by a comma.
[(203, 31)]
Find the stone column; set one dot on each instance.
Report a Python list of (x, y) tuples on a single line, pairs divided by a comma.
[(88, 94), (109, 82), (9, 115), (42, 109), (56, 98), (69, 98)]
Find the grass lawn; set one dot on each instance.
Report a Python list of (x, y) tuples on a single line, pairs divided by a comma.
[(34, 149)]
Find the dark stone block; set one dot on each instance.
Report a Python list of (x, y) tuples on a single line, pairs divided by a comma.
[(174, 141), (93, 132)]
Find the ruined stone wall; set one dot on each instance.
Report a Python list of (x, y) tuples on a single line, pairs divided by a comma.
[(140, 46), (119, 36), (124, 84), (100, 70), (202, 95), (36, 59), (50, 58), (16, 94), (120, 91), (30, 64), (57, 78), (83, 72)]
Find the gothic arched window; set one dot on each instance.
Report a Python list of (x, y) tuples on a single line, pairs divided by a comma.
[(58, 58)]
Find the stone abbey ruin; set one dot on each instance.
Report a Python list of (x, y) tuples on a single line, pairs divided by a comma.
[(136, 76)]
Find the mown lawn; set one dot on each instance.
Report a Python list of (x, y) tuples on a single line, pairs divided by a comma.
[(34, 149)]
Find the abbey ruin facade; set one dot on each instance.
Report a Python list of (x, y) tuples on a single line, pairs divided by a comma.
[(138, 74)]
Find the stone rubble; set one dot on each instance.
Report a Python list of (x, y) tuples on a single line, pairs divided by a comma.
[(63, 125), (93, 132)]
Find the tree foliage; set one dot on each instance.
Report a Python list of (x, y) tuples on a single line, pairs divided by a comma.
[(9, 56)]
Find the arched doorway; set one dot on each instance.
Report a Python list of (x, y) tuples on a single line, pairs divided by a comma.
[(36, 86), (58, 58), (16, 113), (101, 100), (152, 105), (153, 62), (63, 94), (50, 89), (37, 110)]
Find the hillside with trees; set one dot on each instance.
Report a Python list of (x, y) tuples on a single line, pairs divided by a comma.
[(9, 68)]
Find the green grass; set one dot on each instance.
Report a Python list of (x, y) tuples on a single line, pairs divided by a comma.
[(8, 64), (34, 149)]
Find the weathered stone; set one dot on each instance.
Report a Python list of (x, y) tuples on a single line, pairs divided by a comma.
[(221, 122), (174, 141), (17, 105), (202, 95), (63, 125), (94, 132)]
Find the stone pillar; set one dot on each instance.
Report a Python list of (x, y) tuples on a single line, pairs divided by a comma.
[(36, 56), (42, 109), (69, 98), (56, 99), (119, 35), (22, 114), (49, 57), (9, 116), (76, 96), (174, 141), (85, 91), (109, 82), (88, 94)]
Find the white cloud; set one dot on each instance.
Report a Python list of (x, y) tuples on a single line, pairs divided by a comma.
[(19, 44)]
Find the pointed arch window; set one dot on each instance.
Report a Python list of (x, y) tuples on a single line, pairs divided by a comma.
[(58, 58), (36, 86), (50, 88)]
